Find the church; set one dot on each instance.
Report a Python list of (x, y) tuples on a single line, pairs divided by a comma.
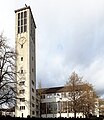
[(26, 62)]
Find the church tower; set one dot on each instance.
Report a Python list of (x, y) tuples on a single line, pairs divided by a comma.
[(26, 62)]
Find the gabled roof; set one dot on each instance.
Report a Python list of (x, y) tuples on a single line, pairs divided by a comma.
[(51, 90), (60, 89)]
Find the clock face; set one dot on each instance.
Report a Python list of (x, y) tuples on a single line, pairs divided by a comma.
[(22, 40)]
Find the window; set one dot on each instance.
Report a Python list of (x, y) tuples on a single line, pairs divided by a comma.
[(25, 21), (25, 28), (43, 96), (18, 29), (32, 58), (25, 14), (22, 99), (22, 22), (32, 90), (18, 22), (49, 106), (49, 95), (54, 94), (58, 95), (32, 82), (22, 46), (22, 107), (43, 108), (22, 83), (33, 112), (21, 29), (21, 58), (21, 15), (68, 94), (18, 16), (32, 97), (63, 94), (33, 105), (21, 71), (22, 91), (64, 106), (22, 115)]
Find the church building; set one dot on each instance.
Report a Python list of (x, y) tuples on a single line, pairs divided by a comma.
[(25, 45)]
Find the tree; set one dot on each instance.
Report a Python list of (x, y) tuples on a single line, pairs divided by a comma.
[(7, 73), (81, 95), (74, 87), (88, 99)]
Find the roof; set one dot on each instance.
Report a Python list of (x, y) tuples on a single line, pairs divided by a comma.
[(51, 90), (59, 89), (24, 8)]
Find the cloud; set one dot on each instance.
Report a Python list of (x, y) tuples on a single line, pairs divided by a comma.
[(69, 37), (72, 40), (7, 20)]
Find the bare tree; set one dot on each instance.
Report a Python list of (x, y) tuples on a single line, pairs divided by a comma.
[(74, 87), (81, 95), (88, 99), (7, 73)]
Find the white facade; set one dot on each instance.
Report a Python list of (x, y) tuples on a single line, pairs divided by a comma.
[(55, 102), (12, 114), (25, 63), (58, 99)]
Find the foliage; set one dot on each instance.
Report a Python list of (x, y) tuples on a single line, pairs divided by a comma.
[(82, 96)]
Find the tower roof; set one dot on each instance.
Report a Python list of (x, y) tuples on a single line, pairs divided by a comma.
[(24, 8)]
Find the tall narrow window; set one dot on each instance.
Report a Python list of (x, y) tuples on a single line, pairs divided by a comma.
[(22, 22), (32, 58), (25, 21), (25, 28), (22, 107), (32, 82), (25, 14), (21, 15), (18, 16), (32, 97), (22, 46), (22, 114), (22, 83), (21, 29), (32, 90), (19, 23), (21, 71), (33, 105), (21, 58), (22, 91), (33, 112)]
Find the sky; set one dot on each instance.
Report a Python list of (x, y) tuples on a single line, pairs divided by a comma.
[(69, 37)]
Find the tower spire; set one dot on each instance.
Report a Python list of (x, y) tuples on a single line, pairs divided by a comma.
[(25, 5)]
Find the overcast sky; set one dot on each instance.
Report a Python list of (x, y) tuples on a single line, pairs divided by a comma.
[(69, 37)]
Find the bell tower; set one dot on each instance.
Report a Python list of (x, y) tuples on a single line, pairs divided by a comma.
[(26, 62)]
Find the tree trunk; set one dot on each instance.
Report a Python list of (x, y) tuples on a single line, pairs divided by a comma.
[(74, 114)]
